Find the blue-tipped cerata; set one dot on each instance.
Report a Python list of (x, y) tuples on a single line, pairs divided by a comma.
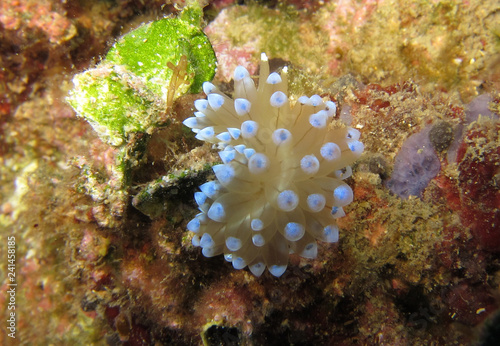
[(280, 186)]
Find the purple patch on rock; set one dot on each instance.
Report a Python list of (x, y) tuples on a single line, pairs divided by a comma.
[(479, 106), (415, 166)]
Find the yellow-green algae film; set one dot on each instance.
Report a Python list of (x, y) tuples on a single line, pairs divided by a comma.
[(142, 74)]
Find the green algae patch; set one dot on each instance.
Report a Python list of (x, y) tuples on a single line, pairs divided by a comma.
[(112, 106), (147, 51), (134, 87)]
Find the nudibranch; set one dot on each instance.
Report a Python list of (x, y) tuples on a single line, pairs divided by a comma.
[(280, 185)]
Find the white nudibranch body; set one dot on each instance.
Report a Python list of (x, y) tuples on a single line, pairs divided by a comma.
[(280, 187)]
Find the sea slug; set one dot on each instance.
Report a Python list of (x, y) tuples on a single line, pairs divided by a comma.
[(280, 187)]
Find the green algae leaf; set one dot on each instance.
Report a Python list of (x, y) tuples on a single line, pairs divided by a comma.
[(147, 50), (132, 89)]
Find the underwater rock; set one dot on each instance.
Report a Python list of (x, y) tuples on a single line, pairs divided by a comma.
[(154, 199), (469, 304), (479, 190)]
